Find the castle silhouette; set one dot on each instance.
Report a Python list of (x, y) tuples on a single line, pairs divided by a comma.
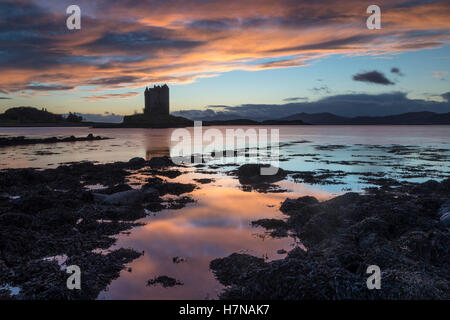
[(157, 101), (156, 112)]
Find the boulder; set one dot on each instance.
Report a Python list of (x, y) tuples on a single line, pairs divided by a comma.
[(251, 174), (344, 200), (292, 205), (137, 161), (161, 162), (129, 197)]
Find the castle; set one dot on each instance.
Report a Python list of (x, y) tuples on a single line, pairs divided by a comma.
[(156, 112), (157, 101)]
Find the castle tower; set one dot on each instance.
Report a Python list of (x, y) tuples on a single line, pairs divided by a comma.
[(157, 101)]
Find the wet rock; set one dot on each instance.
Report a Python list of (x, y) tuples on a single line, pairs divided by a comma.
[(130, 197), (427, 187), (171, 174), (116, 188), (137, 161), (165, 281), (252, 174), (277, 227), (161, 162), (178, 260), (230, 269), (204, 180), (293, 205), (344, 200)]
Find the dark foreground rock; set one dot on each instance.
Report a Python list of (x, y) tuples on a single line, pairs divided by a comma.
[(259, 177), (400, 232), (50, 219), (22, 141)]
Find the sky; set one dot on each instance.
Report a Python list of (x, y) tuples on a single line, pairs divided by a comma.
[(240, 55)]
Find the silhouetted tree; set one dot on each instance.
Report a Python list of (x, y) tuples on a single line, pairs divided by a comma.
[(72, 117)]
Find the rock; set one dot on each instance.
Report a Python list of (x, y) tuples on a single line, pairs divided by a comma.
[(129, 197), (445, 219), (252, 174), (178, 260), (278, 227), (117, 188), (344, 200), (230, 269), (150, 192), (204, 180), (281, 251), (445, 208), (137, 161), (292, 205), (429, 186), (161, 162), (99, 197)]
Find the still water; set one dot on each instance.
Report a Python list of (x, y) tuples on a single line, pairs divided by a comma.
[(219, 222)]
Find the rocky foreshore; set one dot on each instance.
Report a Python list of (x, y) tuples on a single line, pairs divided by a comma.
[(51, 219), (22, 141), (403, 229)]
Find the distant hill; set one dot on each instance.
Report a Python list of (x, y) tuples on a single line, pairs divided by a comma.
[(30, 115), (411, 118), (247, 122)]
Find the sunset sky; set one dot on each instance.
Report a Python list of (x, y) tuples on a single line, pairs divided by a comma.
[(214, 52)]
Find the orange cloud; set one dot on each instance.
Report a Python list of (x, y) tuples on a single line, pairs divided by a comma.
[(127, 44)]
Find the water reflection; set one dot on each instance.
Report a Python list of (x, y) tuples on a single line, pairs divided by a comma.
[(216, 226)]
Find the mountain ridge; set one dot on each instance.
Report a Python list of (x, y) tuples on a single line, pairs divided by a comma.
[(410, 118)]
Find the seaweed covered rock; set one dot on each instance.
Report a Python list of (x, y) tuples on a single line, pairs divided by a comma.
[(399, 231), (161, 162), (292, 205), (254, 174)]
